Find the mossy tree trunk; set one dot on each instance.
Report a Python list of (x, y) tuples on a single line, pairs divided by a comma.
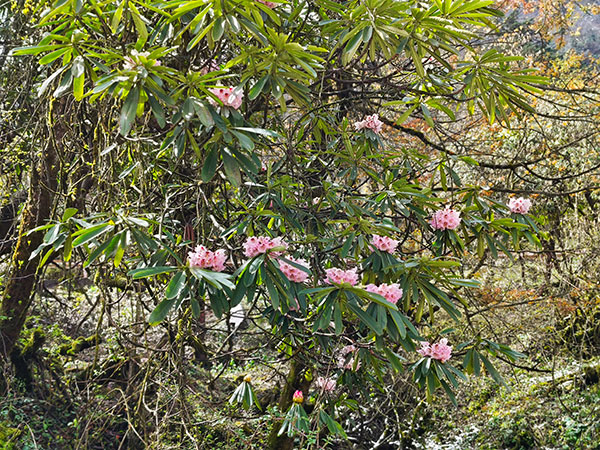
[(296, 381), (22, 274)]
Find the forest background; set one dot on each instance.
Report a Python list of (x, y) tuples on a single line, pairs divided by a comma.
[(131, 132)]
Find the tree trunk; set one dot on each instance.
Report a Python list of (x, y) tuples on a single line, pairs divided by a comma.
[(22, 274), (8, 221), (296, 381)]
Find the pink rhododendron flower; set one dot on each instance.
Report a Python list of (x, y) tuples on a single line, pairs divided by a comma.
[(269, 4), (298, 397), (384, 243), (440, 351), (205, 259), (293, 273), (391, 292), (339, 276), (325, 384), (220, 256), (343, 356), (519, 205), (229, 96), (256, 245), (445, 219), (371, 122)]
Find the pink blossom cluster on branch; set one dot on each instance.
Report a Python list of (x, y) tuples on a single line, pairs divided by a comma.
[(339, 276), (293, 273), (269, 4), (205, 259), (445, 219), (257, 245), (325, 384), (519, 205), (229, 96), (440, 351), (342, 358), (384, 243), (391, 292), (371, 123)]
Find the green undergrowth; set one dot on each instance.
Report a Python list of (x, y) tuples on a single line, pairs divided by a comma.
[(536, 411)]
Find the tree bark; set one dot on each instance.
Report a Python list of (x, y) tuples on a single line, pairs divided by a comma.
[(8, 221), (22, 274)]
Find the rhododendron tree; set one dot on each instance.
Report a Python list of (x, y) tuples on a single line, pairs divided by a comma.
[(331, 232)]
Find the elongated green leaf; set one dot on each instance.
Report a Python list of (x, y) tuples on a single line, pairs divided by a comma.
[(88, 234), (176, 285), (144, 272), (161, 311), (128, 111)]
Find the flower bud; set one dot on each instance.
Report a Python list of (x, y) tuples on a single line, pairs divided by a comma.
[(298, 397)]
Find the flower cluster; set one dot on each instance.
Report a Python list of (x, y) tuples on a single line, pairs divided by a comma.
[(262, 244), (519, 205), (229, 96), (206, 259), (440, 351), (298, 397), (342, 358), (339, 276), (325, 384), (134, 61), (370, 122), (292, 272), (384, 243), (391, 292), (445, 219)]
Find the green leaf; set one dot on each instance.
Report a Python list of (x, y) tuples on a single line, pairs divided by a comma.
[(210, 165), (128, 111), (176, 285), (232, 168), (258, 87), (78, 84), (139, 25), (157, 110), (144, 272), (88, 234), (365, 318), (215, 279), (69, 212), (50, 57), (218, 28), (352, 46), (161, 311), (51, 234), (492, 370), (116, 19)]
